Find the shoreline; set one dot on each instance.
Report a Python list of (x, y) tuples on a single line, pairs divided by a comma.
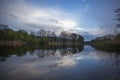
[(20, 43)]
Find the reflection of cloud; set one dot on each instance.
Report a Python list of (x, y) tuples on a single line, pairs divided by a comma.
[(30, 66), (58, 55), (66, 63), (87, 55)]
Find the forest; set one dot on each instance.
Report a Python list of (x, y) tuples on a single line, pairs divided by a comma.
[(9, 36)]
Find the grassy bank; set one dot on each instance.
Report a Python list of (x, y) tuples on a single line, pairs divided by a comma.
[(18, 42), (107, 45), (64, 43)]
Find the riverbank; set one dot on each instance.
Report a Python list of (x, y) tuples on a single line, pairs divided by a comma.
[(17, 43), (107, 45), (65, 43), (20, 43)]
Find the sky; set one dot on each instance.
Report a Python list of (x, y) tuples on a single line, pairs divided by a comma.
[(90, 18)]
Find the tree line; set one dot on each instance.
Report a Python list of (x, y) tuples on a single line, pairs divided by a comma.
[(109, 42), (41, 36)]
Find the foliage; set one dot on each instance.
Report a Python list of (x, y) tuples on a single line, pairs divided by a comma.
[(73, 37), (11, 35), (107, 43), (42, 36)]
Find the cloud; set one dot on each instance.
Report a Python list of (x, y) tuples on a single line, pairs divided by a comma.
[(86, 19), (20, 14)]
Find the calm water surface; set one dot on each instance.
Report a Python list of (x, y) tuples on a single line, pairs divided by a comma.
[(78, 63)]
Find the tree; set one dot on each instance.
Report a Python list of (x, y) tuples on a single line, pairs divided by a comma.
[(65, 34), (73, 36), (117, 11), (41, 33), (80, 38), (117, 29)]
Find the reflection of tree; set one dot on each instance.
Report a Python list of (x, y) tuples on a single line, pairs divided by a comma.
[(64, 52), (69, 51), (113, 56), (52, 50), (3, 58), (117, 62), (73, 50), (44, 53), (7, 51)]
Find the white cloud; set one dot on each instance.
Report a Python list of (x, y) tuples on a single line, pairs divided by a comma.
[(67, 24), (101, 31), (24, 16)]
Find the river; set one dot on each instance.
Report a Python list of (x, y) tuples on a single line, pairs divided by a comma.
[(68, 63)]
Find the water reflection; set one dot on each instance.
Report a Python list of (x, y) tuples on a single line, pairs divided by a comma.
[(112, 58), (58, 63), (7, 51)]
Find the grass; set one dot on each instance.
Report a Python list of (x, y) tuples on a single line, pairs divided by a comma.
[(109, 46)]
